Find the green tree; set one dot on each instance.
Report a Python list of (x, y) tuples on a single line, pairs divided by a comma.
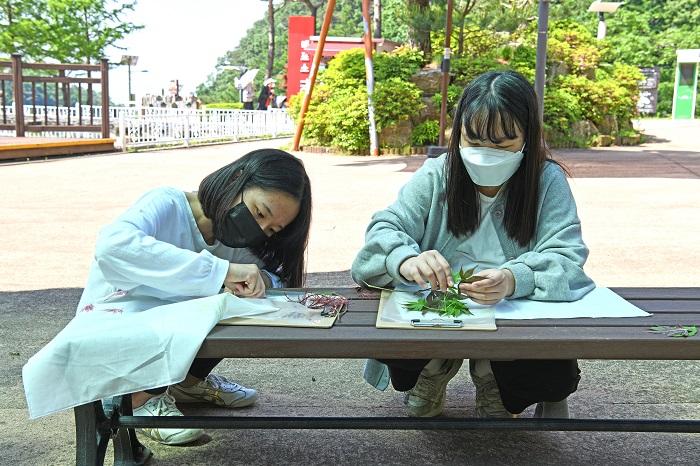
[(21, 28), (69, 31)]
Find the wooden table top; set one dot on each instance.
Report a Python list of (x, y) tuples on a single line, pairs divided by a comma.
[(355, 335)]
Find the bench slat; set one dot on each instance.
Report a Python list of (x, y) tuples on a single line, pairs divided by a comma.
[(670, 293), (368, 319), (507, 343), (649, 305), (658, 293)]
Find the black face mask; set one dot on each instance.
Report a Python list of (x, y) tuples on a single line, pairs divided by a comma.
[(239, 228)]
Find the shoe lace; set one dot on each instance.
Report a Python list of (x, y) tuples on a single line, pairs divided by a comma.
[(488, 397), (166, 406), (221, 383), (426, 388)]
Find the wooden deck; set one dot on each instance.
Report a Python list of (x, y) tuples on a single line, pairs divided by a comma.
[(28, 148)]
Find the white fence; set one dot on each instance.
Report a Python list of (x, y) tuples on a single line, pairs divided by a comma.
[(149, 126)]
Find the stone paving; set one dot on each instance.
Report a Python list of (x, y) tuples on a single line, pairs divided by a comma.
[(640, 210)]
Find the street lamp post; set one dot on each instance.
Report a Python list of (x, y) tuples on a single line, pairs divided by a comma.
[(129, 60), (601, 8)]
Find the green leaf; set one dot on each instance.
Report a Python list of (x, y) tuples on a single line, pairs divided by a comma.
[(417, 305)]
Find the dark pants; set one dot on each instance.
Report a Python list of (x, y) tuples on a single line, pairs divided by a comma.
[(521, 382), (247, 105), (200, 368)]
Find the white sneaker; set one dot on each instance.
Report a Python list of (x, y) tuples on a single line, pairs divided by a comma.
[(164, 405), (215, 389)]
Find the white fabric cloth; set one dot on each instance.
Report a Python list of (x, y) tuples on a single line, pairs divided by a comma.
[(103, 353), (482, 249), (128, 333)]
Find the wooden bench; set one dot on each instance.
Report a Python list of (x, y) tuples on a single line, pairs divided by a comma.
[(356, 336)]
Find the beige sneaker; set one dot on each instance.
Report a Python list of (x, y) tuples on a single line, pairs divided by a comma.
[(215, 389), (427, 398), (488, 397), (164, 405)]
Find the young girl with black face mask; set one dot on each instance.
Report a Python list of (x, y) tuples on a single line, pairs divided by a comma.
[(244, 230), (498, 202)]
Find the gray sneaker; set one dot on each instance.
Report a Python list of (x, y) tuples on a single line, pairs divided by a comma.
[(427, 398), (215, 389), (488, 397), (164, 405)]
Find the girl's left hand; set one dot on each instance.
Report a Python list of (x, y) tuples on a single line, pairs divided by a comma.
[(496, 285)]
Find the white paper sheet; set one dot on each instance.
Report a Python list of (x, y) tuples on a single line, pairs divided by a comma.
[(281, 308), (394, 311), (601, 302)]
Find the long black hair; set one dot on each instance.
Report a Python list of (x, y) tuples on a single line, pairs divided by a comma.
[(275, 170), (493, 107)]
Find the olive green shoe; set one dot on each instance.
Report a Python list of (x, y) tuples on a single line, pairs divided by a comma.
[(427, 398), (488, 397)]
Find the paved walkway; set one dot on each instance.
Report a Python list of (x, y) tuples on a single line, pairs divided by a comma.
[(640, 209)]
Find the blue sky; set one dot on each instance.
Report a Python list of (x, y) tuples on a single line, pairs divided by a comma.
[(181, 40)]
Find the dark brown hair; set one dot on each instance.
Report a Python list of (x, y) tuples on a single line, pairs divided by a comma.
[(492, 107), (275, 170)]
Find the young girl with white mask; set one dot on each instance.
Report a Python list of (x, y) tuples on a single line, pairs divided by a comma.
[(498, 202)]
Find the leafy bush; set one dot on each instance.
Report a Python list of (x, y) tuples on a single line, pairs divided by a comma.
[(466, 69), (337, 115), (562, 107), (454, 92), (402, 63), (225, 105), (426, 133), (476, 41)]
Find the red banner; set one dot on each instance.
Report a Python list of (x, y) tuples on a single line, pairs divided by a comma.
[(299, 61)]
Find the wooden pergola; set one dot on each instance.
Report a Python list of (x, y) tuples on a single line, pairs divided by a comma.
[(541, 59)]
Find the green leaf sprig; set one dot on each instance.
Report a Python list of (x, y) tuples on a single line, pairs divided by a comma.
[(682, 331), (446, 303)]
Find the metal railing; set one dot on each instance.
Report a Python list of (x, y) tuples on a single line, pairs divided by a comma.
[(50, 91), (151, 127), (148, 126)]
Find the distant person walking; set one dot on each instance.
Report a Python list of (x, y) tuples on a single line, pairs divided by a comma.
[(267, 94), (247, 96)]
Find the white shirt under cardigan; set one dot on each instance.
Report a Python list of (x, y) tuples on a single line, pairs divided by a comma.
[(154, 254), (482, 250)]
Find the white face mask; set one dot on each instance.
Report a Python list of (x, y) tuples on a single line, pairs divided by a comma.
[(490, 167)]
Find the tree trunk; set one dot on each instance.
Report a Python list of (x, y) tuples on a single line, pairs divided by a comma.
[(460, 37), (420, 35), (377, 19), (314, 13), (313, 9), (468, 7), (270, 39)]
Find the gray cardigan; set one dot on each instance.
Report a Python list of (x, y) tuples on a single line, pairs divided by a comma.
[(549, 268)]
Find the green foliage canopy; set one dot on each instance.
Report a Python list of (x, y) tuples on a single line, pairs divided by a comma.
[(337, 116), (68, 31)]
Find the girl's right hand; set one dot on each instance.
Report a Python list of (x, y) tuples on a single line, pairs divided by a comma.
[(245, 280), (428, 266)]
